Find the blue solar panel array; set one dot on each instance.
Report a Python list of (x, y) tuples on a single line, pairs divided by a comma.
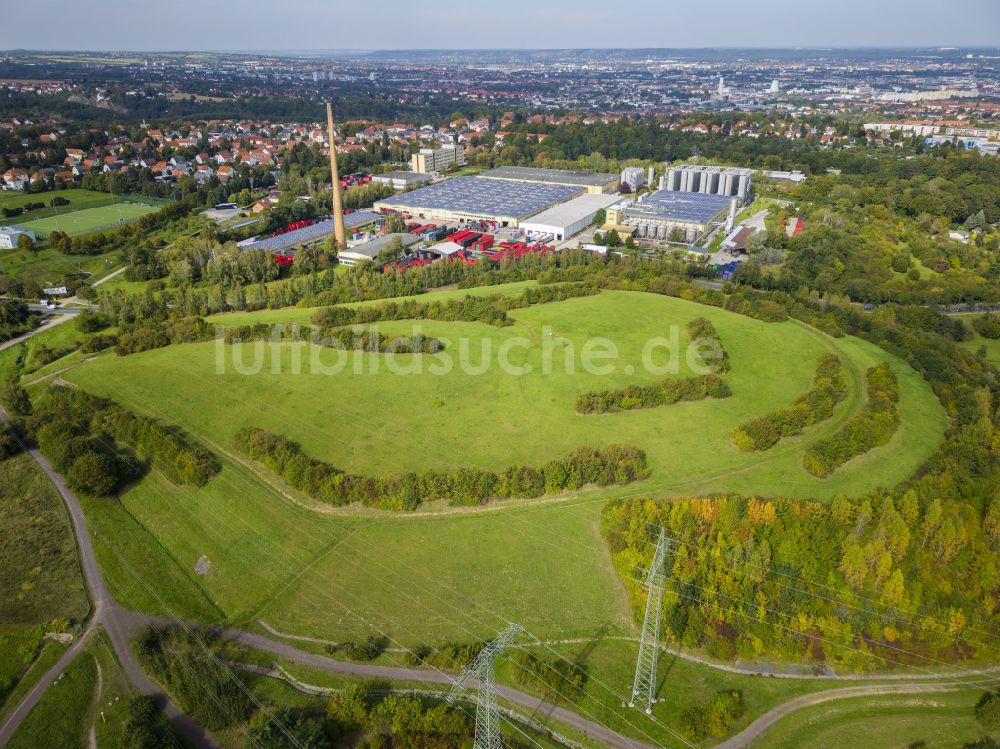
[(486, 197), (312, 233), (682, 206)]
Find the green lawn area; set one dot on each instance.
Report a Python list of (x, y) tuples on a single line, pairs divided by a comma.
[(992, 345), (936, 721), (90, 219), (40, 578), (428, 578)]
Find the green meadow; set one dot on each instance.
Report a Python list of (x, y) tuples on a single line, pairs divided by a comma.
[(440, 574)]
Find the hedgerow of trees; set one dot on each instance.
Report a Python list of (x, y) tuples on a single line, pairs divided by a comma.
[(812, 407), (614, 464)]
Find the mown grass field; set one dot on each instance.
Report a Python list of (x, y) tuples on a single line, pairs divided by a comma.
[(87, 220), (431, 578), (931, 721)]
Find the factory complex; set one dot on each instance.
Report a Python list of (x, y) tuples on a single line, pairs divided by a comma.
[(504, 202), (667, 215)]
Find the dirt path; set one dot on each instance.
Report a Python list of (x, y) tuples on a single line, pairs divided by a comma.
[(96, 708)]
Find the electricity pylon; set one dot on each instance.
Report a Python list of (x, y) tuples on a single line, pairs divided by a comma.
[(487, 711), (644, 686)]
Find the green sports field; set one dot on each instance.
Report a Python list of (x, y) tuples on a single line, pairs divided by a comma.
[(90, 219), (432, 577)]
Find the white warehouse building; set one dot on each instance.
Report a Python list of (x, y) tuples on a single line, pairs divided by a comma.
[(564, 220)]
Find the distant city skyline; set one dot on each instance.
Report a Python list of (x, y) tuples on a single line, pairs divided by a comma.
[(520, 24)]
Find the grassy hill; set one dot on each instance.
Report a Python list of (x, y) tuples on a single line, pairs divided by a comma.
[(436, 577)]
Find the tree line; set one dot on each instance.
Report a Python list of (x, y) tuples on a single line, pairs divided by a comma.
[(611, 465), (874, 426), (812, 407)]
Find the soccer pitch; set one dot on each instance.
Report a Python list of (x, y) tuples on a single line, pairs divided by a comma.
[(90, 219)]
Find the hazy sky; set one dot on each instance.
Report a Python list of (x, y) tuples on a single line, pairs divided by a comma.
[(440, 24)]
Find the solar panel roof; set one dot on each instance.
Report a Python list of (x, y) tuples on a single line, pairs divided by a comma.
[(679, 206), (312, 233), (486, 197), (555, 176)]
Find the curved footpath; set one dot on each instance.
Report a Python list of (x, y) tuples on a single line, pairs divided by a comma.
[(752, 732)]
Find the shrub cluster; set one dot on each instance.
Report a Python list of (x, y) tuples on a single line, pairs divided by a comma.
[(453, 656), (553, 676), (663, 393), (78, 432), (491, 310), (360, 719), (715, 719), (702, 329), (188, 664), (812, 407), (345, 339), (874, 426), (988, 326), (368, 650), (98, 342), (179, 459), (157, 334), (9, 443), (615, 464)]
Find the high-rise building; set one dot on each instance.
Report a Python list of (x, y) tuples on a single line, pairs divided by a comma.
[(775, 86), (428, 160)]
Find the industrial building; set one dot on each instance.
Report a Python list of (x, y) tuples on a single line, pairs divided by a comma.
[(9, 236), (430, 160), (400, 180), (313, 233), (566, 219), (658, 214), (592, 182), (507, 203), (634, 177), (709, 180), (367, 251)]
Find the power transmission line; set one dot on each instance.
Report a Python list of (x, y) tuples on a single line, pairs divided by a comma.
[(644, 684), (483, 668)]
